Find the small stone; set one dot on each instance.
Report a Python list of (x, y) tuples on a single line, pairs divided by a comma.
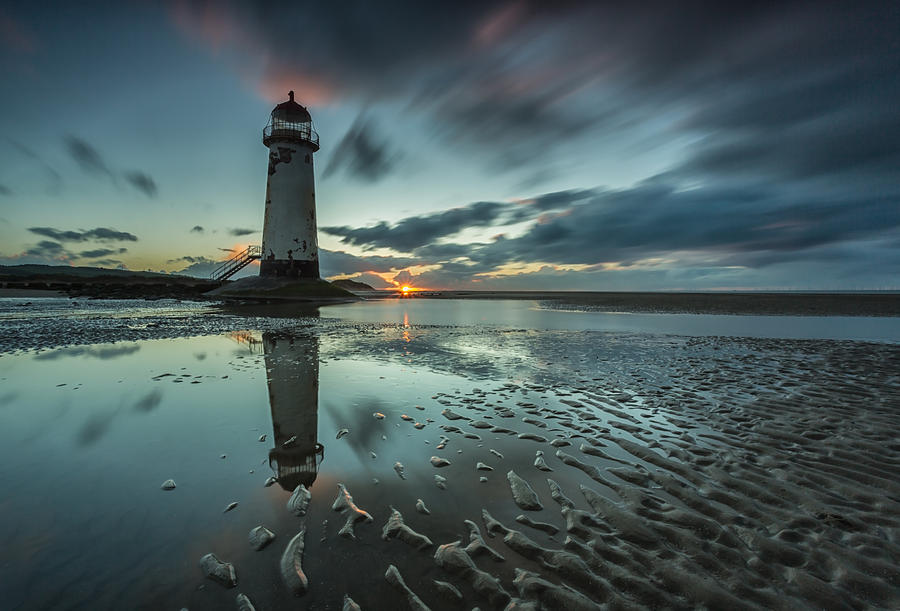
[(440, 482), (260, 537), (560, 443), (447, 590), (373, 454), (169, 484), (419, 425), (223, 456), (398, 467), (292, 565), (378, 416), (483, 479), (420, 507), (341, 433), (230, 507), (218, 571), (350, 604), (496, 453), (483, 467), (523, 494), (437, 461), (262, 438), (405, 417)]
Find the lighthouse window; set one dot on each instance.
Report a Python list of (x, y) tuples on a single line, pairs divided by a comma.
[(307, 158)]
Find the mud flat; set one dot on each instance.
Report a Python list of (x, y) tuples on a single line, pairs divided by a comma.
[(675, 472)]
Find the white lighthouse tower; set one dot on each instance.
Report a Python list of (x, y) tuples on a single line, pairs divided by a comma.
[(290, 246)]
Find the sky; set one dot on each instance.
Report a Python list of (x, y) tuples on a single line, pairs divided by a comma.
[(507, 145)]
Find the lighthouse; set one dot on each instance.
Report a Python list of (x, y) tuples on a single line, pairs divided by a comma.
[(290, 246)]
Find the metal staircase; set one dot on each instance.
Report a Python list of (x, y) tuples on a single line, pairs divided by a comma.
[(236, 263)]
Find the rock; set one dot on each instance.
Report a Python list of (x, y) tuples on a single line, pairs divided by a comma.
[(481, 424), (260, 537), (349, 604), (437, 461), (483, 467), (262, 438), (420, 507), (223, 456), (557, 495), (341, 433), (398, 467), (373, 454), (419, 425), (230, 507), (440, 482), (492, 525), (406, 418), (244, 604), (169, 484), (271, 481), (378, 416), (560, 443), (392, 575), (292, 564), (299, 501), (496, 453), (523, 494), (551, 596), (449, 414), (344, 504), (483, 479), (218, 571), (395, 528)]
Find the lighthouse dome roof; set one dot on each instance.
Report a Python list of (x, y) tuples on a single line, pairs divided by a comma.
[(291, 111)]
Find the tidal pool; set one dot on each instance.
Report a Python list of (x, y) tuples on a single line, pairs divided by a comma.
[(683, 471)]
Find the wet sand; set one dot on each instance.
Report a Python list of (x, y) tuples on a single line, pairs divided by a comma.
[(677, 472)]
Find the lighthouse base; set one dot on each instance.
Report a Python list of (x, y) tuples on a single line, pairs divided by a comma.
[(282, 288), (289, 268)]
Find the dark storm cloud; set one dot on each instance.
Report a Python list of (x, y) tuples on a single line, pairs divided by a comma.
[(240, 231), (101, 252), (142, 182), (362, 154), (87, 157), (46, 248), (516, 80), (99, 233), (197, 229), (333, 263)]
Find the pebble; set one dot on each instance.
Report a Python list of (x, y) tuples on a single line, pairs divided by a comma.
[(560, 443), (262, 438), (378, 416), (447, 590), (496, 453), (218, 571), (540, 463), (440, 482), (420, 507), (398, 467), (437, 461), (405, 417), (344, 504), (350, 604), (483, 467), (483, 479), (260, 537), (419, 425), (169, 484), (550, 529), (230, 507), (341, 433)]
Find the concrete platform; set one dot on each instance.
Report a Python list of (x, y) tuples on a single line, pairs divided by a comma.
[(260, 288)]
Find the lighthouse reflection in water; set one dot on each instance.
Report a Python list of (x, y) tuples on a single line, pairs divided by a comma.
[(292, 372)]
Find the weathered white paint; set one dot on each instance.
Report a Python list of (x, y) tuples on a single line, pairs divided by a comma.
[(294, 400), (289, 229)]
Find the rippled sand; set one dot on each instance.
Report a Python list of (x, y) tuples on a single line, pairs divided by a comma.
[(675, 473)]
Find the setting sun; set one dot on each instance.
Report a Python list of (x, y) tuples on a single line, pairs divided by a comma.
[(405, 289)]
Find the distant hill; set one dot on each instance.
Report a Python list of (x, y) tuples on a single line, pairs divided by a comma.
[(67, 272), (353, 285)]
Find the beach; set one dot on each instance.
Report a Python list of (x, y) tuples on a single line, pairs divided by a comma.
[(549, 461)]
